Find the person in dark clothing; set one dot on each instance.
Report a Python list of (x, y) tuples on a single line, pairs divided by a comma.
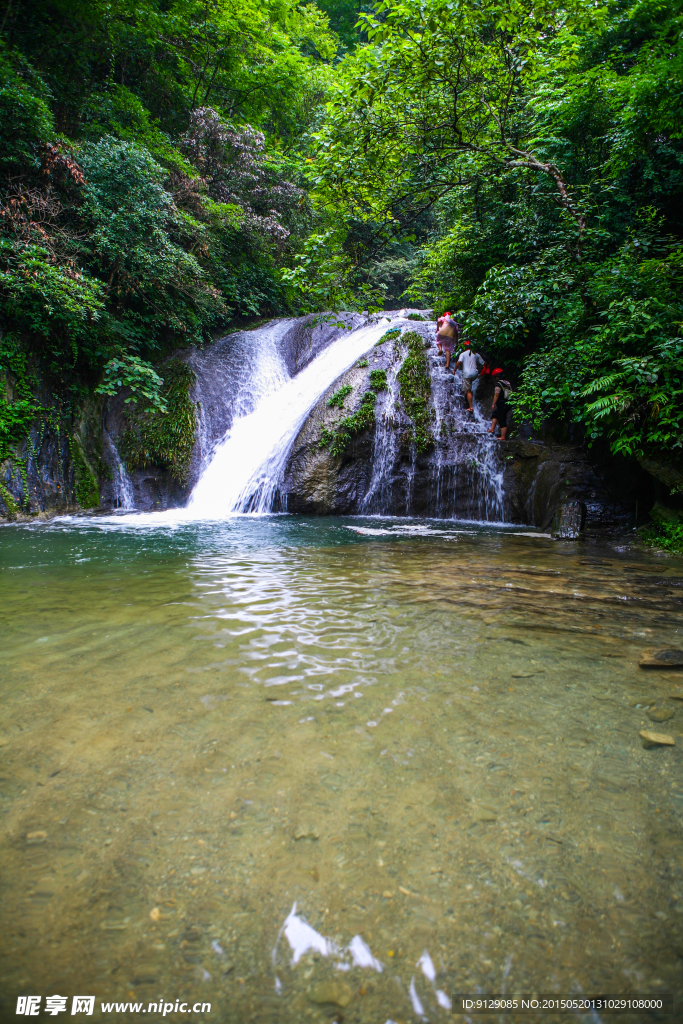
[(500, 411)]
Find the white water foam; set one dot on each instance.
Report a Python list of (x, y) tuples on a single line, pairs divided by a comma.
[(123, 488), (248, 466)]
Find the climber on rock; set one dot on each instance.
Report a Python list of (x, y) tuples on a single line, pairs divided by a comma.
[(500, 411), (447, 331), (471, 363)]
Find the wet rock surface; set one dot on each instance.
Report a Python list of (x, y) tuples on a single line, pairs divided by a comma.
[(465, 473)]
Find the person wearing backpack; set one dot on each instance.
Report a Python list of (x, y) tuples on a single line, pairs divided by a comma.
[(447, 331), (500, 411)]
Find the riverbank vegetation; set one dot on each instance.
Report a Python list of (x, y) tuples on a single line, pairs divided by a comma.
[(522, 163), (169, 170), (151, 185)]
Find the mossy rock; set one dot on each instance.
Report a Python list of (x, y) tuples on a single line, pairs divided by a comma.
[(391, 335), (86, 487), (164, 439), (416, 387), (337, 441), (662, 515), (9, 501)]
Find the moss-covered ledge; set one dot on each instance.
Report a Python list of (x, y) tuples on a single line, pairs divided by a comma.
[(166, 440)]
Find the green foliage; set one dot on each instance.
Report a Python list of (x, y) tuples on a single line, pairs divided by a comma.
[(25, 116), (164, 439), (323, 277), (154, 284), (139, 377), (415, 385), (338, 440), (18, 407), (85, 481), (343, 15), (378, 380), (391, 335), (339, 396), (530, 160), (362, 362), (414, 316), (154, 174), (666, 531), (19, 411)]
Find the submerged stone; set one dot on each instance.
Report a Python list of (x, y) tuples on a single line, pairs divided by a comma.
[(655, 739), (667, 658), (656, 714), (336, 992), (306, 832)]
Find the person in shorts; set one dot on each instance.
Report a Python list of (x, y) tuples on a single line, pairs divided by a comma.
[(471, 363), (500, 410), (447, 331)]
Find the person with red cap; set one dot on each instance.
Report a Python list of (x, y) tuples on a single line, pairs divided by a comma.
[(499, 409), (447, 330)]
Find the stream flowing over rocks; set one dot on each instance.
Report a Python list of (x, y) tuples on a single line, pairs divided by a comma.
[(262, 408)]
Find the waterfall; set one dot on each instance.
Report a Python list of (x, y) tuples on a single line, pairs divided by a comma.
[(248, 465), (122, 485), (384, 453), (233, 375), (256, 389)]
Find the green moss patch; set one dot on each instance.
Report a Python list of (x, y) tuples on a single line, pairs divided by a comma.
[(19, 410), (164, 439), (666, 531), (416, 387), (86, 486), (338, 440), (414, 316), (378, 380), (395, 332), (339, 397)]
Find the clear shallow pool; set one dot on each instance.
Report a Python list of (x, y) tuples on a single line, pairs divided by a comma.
[(424, 735)]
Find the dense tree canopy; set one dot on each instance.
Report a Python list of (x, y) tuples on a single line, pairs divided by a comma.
[(151, 184), (171, 165), (534, 154)]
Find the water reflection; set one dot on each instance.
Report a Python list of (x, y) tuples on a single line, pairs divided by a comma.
[(448, 793)]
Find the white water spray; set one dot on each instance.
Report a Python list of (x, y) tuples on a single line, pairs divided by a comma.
[(123, 488), (248, 466)]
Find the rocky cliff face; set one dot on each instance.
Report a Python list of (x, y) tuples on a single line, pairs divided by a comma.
[(383, 470), (446, 466), (465, 473), (222, 390)]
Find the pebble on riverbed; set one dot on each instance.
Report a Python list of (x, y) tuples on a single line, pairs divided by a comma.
[(307, 832), (659, 714), (335, 992), (655, 739), (669, 658)]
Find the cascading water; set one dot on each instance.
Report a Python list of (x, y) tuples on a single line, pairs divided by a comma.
[(460, 477), (384, 455), (256, 389), (233, 375), (122, 485), (490, 469), (248, 466)]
